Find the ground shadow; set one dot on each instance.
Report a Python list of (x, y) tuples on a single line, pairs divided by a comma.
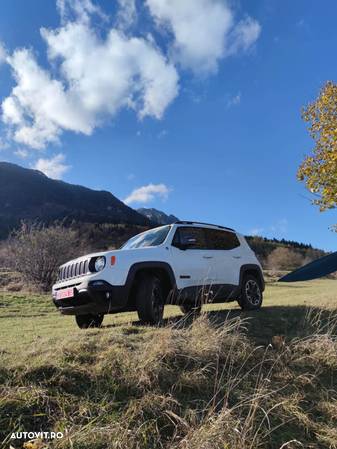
[(261, 325), (290, 321)]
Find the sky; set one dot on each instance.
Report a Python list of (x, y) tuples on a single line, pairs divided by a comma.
[(192, 107)]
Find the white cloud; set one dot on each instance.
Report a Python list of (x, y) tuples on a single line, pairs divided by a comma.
[(117, 72), (53, 167), (244, 35), (3, 54), (79, 10), (39, 108), (21, 153), (204, 31), (279, 227), (234, 101), (97, 70), (99, 77), (127, 13), (147, 193), (199, 28), (3, 144), (11, 110)]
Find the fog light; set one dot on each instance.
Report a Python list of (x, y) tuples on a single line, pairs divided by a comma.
[(97, 283)]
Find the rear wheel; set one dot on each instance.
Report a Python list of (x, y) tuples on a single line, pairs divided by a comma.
[(150, 300), (89, 320), (251, 294)]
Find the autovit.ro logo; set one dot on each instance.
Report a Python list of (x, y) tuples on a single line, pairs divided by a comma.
[(36, 435)]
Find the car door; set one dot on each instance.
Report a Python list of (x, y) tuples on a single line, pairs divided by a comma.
[(227, 255), (191, 261)]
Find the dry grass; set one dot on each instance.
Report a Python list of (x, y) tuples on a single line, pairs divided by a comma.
[(224, 381)]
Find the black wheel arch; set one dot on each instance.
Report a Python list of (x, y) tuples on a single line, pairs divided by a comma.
[(163, 270), (254, 270)]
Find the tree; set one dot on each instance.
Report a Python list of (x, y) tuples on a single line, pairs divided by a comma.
[(319, 170), (284, 259), (36, 251)]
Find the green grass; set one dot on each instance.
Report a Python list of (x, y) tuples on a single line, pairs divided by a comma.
[(27, 318), (205, 384)]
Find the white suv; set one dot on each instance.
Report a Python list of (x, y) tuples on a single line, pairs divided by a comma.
[(186, 263)]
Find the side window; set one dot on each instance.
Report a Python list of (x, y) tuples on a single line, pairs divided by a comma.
[(223, 240), (189, 238)]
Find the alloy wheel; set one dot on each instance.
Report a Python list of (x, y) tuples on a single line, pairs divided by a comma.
[(253, 292)]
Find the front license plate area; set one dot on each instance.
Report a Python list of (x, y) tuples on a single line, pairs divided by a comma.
[(65, 293)]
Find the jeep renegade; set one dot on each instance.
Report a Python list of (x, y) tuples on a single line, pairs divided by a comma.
[(186, 263)]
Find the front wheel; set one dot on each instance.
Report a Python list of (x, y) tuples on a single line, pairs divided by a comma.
[(251, 294), (89, 320), (150, 300)]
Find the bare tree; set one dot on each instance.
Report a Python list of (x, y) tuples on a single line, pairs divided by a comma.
[(36, 251), (3, 256), (284, 259)]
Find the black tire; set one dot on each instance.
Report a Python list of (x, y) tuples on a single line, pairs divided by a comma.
[(150, 300), (191, 308), (251, 294), (86, 321)]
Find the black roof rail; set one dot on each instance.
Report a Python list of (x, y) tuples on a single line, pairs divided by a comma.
[(201, 223)]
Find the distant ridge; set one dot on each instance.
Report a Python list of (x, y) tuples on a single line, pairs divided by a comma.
[(157, 216), (27, 194)]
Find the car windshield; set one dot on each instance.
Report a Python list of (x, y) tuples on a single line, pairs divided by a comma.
[(154, 237)]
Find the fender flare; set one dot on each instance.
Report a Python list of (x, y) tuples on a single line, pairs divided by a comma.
[(252, 267), (136, 267)]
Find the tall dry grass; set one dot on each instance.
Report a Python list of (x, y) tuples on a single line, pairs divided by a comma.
[(190, 385)]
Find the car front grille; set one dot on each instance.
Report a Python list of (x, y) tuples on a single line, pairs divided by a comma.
[(73, 270)]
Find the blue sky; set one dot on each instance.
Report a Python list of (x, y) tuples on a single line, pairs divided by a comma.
[(199, 108)]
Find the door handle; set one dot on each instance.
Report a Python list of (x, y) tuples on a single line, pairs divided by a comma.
[(236, 257), (207, 257)]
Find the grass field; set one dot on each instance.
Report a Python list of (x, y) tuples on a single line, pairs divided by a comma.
[(227, 380)]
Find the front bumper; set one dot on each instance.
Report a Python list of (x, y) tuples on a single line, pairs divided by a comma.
[(96, 297)]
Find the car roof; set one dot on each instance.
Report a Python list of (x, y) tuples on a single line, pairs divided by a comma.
[(199, 223)]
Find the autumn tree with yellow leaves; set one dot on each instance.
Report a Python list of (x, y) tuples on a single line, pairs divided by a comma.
[(319, 170)]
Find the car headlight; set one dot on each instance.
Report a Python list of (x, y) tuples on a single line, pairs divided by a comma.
[(99, 263)]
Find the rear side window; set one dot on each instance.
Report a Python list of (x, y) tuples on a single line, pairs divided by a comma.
[(193, 238), (223, 240)]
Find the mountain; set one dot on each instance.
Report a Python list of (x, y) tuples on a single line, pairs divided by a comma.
[(27, 194), (157, 216)]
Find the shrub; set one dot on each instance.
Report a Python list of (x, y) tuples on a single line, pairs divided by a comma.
[(36, 251), (284, 259)]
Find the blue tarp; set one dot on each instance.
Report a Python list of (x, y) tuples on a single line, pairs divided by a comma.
[(313, 270)]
